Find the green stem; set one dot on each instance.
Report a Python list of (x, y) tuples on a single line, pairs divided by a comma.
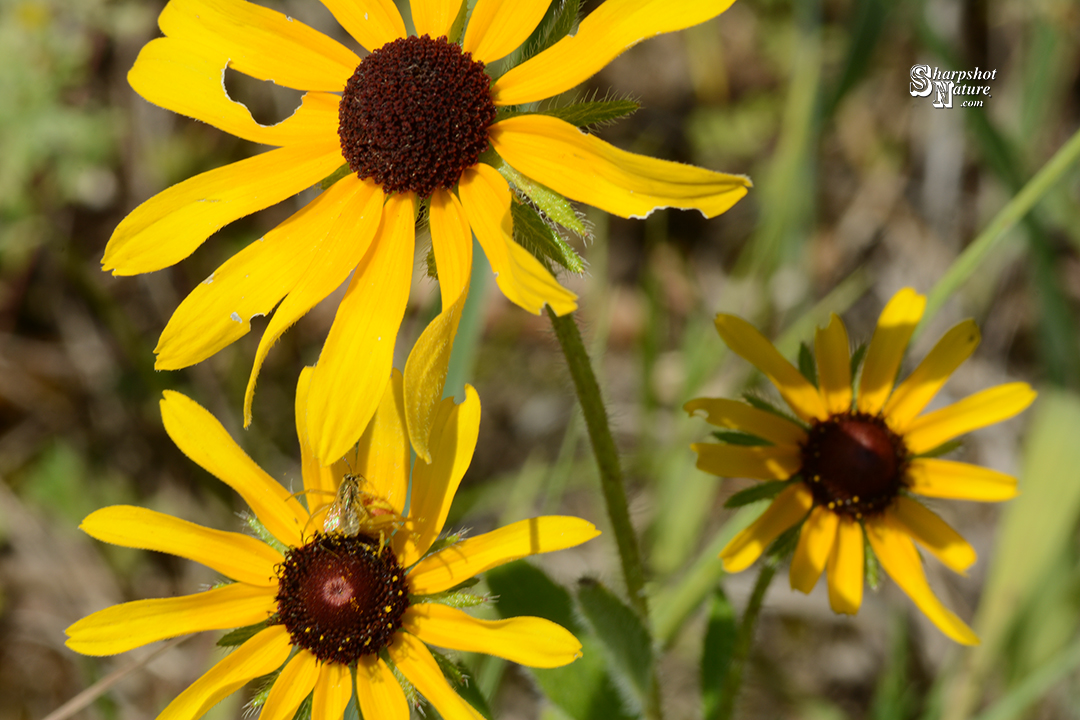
[(744, 639)]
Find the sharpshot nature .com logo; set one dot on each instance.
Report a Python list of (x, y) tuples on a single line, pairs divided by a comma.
[(969, 84)]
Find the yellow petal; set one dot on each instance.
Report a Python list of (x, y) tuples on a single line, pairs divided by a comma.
[(171, 225), (777, 462), (933, 533), (373, 23), (201, 437), (337, 240), (585, 168), (742, 416), (607, 31), (470, 557), (176, 76), (333, 689), (789, 508), (414, 660), (833, 354), (382, 455), (498, 27), (912, 395), (886, 350), (522, 279), (355, 363), (454, 431), (378, 692), (320, 482), (816, 540), (434, 17), (959, 481), (249, 284), (130, 625), (261, 655), (260, 42), (236, 556), (529, 641), (976, 411), (745, 340), (429, 360), (296, 680), (901, 561), (846, 567)]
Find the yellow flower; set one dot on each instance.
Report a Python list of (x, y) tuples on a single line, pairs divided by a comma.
[(332, 601), (854, 461), (411, 122)]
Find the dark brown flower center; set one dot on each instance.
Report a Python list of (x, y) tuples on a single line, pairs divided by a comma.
[(853, 463), (415, 115), (341, 596)]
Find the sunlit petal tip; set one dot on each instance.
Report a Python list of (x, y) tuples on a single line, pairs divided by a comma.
[(886, 349)]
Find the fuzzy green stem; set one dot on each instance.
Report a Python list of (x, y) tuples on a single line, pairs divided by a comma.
[(744, 639)]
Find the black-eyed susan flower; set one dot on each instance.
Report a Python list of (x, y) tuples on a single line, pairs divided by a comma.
[(850, 464), (419, 120), (320, 601)]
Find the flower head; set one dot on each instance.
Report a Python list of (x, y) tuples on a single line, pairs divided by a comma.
[(355, 583), (417, 121), (848, 467)]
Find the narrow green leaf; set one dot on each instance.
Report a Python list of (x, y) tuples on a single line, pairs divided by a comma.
[(943, 449), (459, 679), (539, 238), (558, 21), (551, 203), (856, 360), (761, 491), (240, 636), (458, 26), (734, 437), (716, 652), (304, 711), (584, 114), (453, 599), (621, 631), (871, 565), (807, 366), (762, 404), (333, 177), (263, 534), (783, 546)]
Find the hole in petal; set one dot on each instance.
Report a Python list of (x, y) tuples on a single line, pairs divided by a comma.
[(267, 102)]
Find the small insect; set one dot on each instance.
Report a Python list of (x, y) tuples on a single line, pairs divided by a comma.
[(354, 510)]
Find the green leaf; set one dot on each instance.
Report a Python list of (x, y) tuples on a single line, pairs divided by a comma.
[(943, 449), (768, 407), (263, 534), (856, 360), (304, 711), (584, 114), (240, 636), (551, 203), (558, 21), (761, 491), (458, 26), (583, 690), (429, 265), (333, 177), (871, 565), (459, 679), (453, 599), (783, 546), (716, 652), (621, 631), (807, 366), (536, 236), (736, 437)]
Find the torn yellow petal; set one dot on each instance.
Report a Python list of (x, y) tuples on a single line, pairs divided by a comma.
[(382, 455), (261, 655), (429, 360), (434, 17), (936, 478), (833, 354), (846, 567), (913, 394), (741, 416), (816, 540), (745, 340), (497, 27), (529, 641), (585, 168), (356, 358), (778, 462), (605, 33), (172, 74), (130, 625), (260, 42), (414, 660), (897, 555), (296, 680), (378, 692), (337, 240), (332, 692), (933, 533), (789, 508), (236, 556), (171, 225), (475, 555), (201, 437), (986, 407), (485, 197), (454, 431), (372, 23), (886, 349)]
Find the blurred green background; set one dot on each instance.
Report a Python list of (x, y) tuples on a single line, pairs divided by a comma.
[(860, 189)]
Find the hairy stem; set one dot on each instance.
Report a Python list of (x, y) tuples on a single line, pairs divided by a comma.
[(743, 640)]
